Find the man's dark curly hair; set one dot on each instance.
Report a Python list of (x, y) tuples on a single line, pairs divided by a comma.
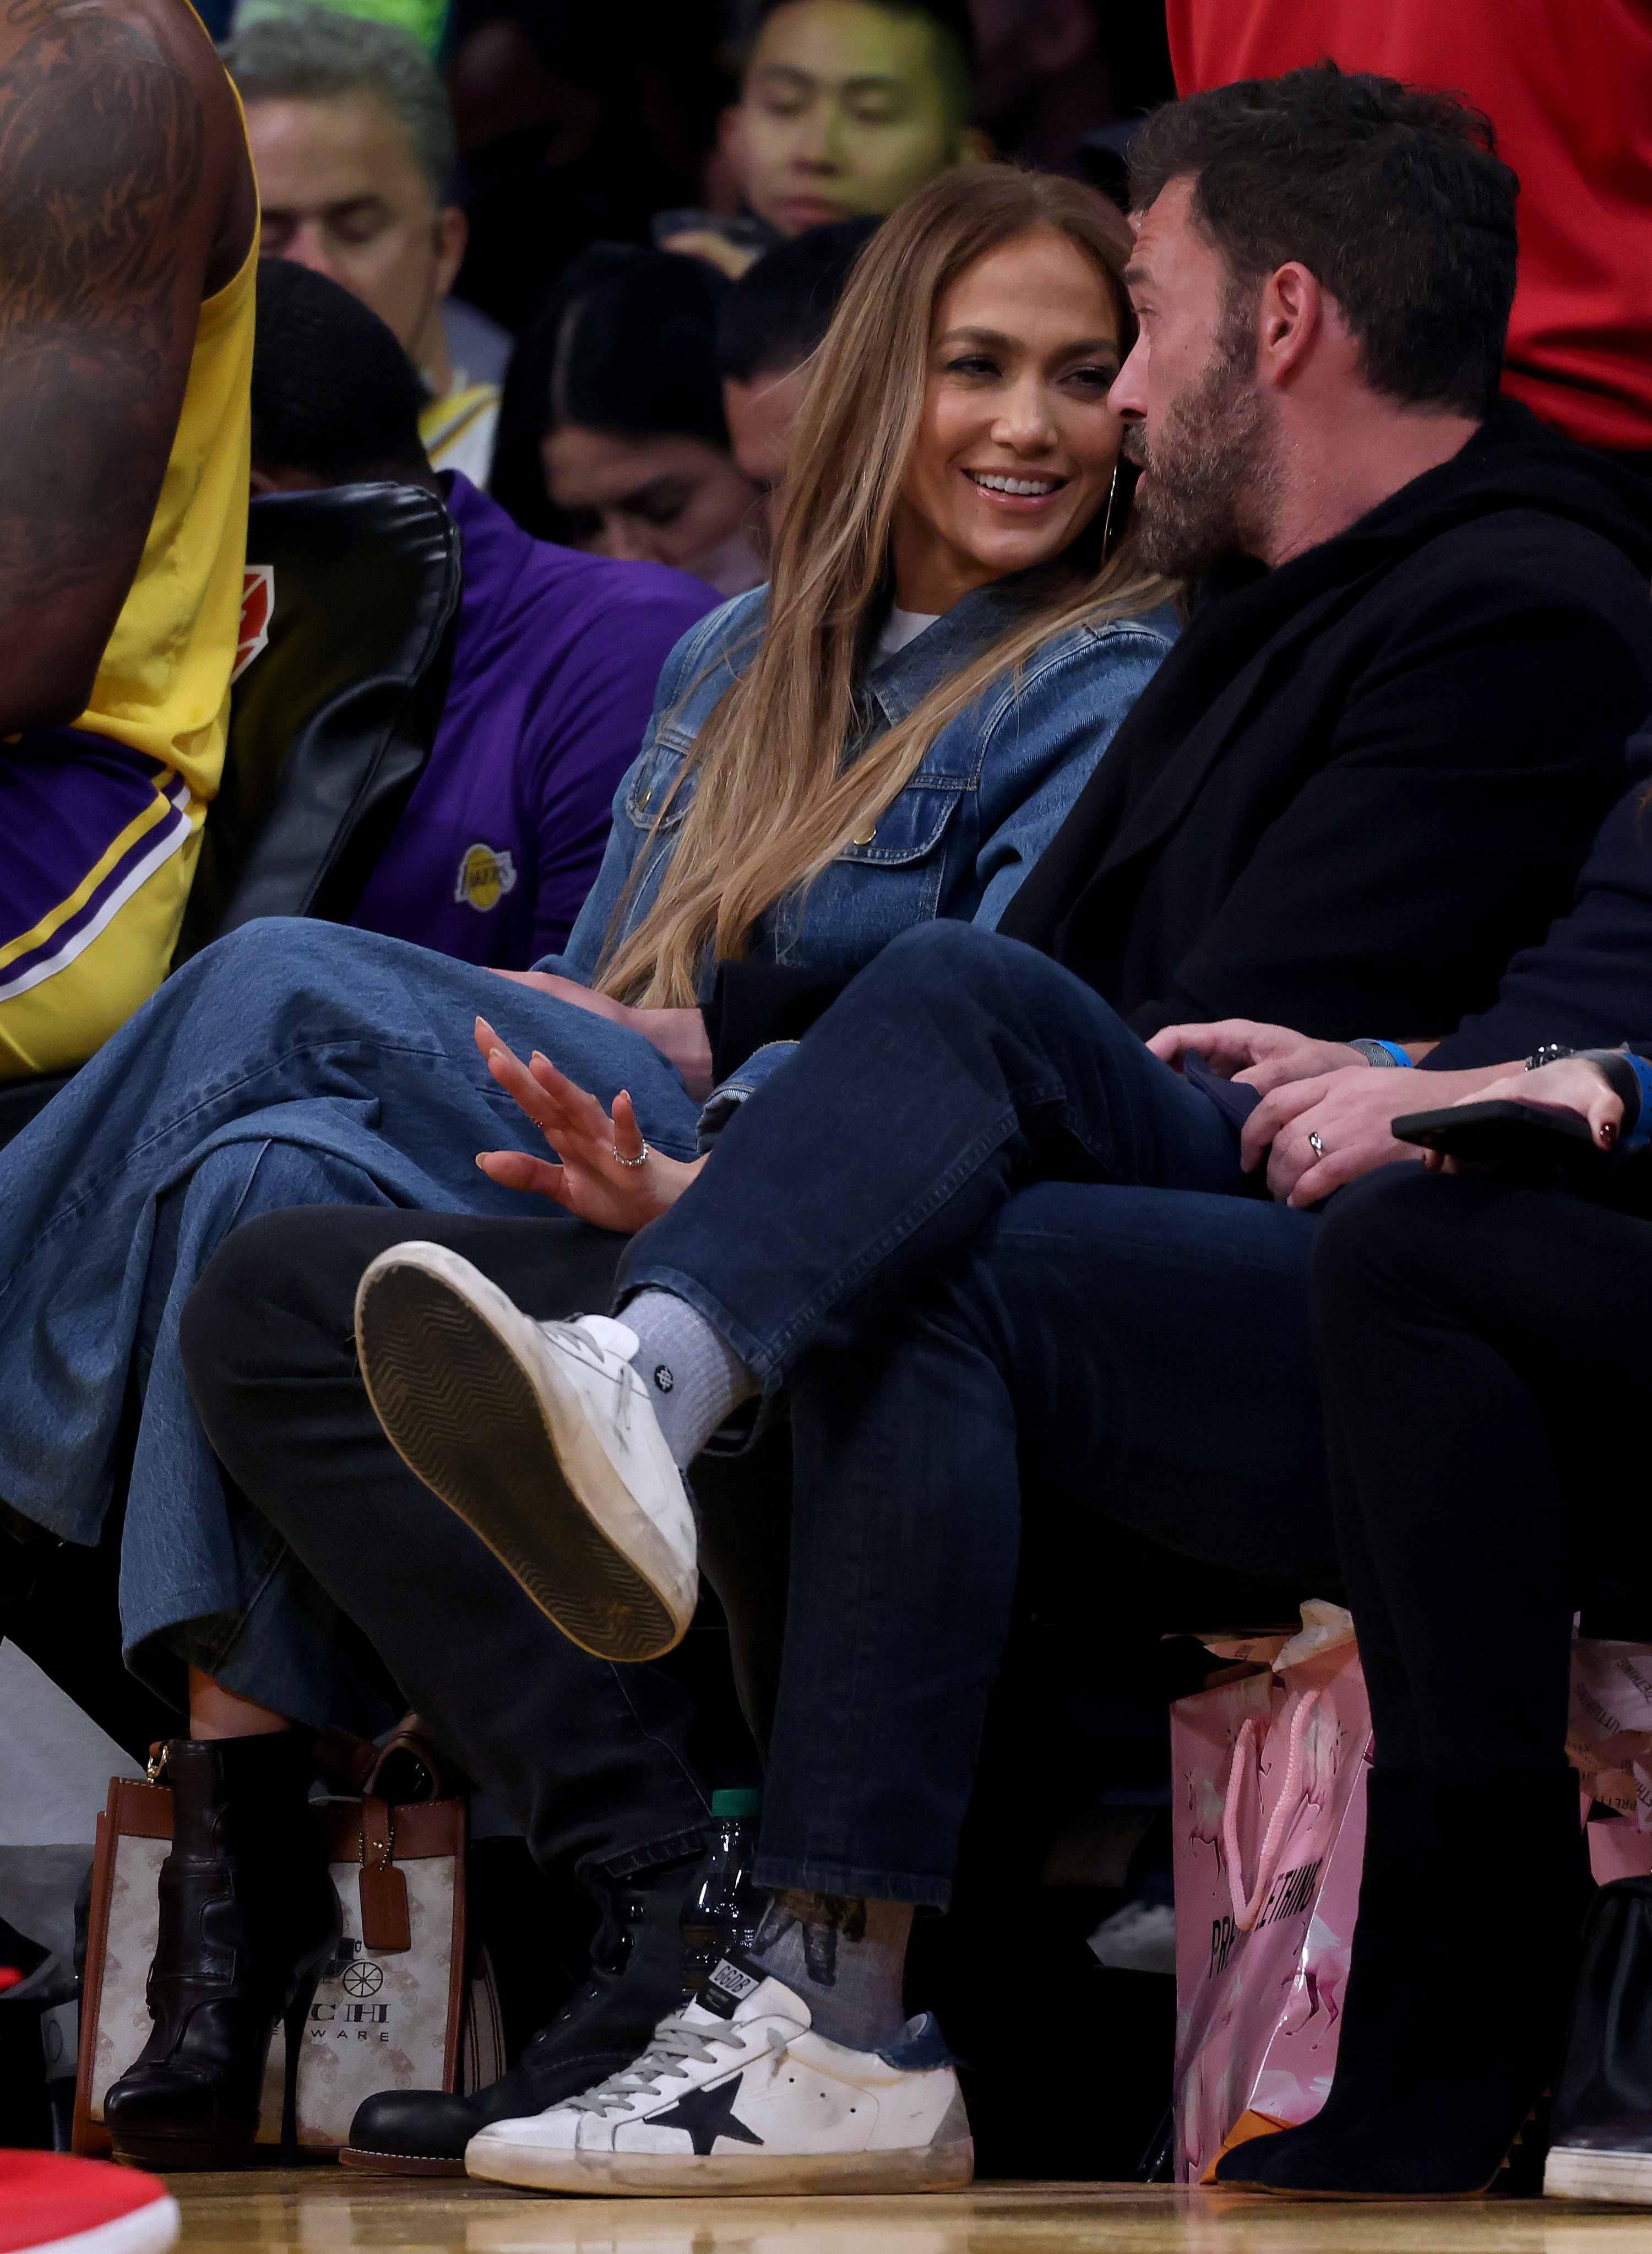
[(1393, 197)]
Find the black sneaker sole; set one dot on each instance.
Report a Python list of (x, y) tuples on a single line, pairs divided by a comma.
[(466, 1419)]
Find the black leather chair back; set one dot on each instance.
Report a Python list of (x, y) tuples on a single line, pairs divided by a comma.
[(331, 723)]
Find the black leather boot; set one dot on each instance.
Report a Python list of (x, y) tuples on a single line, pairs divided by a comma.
[(249, 1920), (637, 1978), (1483, 1952)]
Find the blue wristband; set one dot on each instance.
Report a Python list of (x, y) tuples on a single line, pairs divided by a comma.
[(1640, 1134), (1376, 1041)]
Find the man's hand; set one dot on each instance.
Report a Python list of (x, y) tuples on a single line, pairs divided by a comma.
[(1260, 1056), (1350, 1111), (680, 1035)]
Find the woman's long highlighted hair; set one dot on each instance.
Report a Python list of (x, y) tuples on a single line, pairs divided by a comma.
[(774, 802)]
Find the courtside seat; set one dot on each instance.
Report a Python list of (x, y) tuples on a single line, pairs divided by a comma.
[(352, 599), (351, 606)]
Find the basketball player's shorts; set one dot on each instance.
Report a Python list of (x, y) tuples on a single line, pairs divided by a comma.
[(98, 844)]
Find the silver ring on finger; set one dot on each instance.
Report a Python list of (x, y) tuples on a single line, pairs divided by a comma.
[(1313, 1144), (641, 1160)]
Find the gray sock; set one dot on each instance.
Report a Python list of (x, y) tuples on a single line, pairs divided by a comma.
[(693, 1380), (846, 1960)]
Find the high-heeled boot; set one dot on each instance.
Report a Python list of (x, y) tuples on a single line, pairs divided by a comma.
[(1484, 1951), (1369, 2035), (248, 1918)]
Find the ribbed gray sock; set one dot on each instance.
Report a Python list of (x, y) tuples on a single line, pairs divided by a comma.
[(694, 1381), (845, 1958)]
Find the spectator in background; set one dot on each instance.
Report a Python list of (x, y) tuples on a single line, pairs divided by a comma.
[(613, 436), (768, 328), (1570, 92), (575, 127), (353, 143), (1059, 83), (427, 20), (553, 665), (1042, 83), (845, 106)]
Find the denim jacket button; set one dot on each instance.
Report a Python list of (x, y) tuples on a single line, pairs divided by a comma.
[(867, 835)]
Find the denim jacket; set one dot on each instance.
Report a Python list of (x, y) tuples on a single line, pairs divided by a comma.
[(988, 797)]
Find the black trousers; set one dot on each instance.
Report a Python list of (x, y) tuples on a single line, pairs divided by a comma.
[(599, 1764), (1481, 1349)]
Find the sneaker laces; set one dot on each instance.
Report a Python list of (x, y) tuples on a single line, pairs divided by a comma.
[(571, 1337), (674, 2042), (570, 1333)]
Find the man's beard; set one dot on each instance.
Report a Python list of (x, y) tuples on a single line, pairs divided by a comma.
[(1210, 472)]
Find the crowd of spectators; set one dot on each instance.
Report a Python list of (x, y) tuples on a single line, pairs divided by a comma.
[(1033, 668)]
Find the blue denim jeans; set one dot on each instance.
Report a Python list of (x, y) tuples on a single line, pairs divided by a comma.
[(291, 1064), (1015, 1256)]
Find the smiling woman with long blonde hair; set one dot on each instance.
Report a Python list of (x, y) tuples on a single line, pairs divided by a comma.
[(978, 333), (957, 624)]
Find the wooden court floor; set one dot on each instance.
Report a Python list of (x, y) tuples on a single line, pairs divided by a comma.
[(322, 2209)]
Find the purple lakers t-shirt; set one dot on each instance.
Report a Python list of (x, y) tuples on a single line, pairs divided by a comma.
[(554, 666)]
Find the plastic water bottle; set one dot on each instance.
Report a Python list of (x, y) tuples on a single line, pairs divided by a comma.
[(723, 1910)]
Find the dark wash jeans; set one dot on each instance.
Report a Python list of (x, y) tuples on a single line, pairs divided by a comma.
[(988, 1245), (958, 1066)]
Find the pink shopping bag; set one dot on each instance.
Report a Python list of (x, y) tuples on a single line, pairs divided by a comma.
[(1609, 1743), (1269, 1781)]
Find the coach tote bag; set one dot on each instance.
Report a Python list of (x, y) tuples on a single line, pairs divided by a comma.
[(388, 2012)]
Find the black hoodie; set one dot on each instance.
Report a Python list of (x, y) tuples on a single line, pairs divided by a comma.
[(1362, 782)]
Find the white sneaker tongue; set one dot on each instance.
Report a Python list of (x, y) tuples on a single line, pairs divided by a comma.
[(761, 1996), (616, 1337)]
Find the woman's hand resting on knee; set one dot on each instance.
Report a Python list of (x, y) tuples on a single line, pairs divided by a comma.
[(598, 1177)]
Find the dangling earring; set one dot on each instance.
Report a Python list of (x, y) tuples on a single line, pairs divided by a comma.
[(1106, 527)]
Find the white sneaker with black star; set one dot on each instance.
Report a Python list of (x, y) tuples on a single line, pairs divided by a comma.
[(542, 1438), (752, 2103)]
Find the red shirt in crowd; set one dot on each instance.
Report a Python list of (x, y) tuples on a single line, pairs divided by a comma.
[(1568, 85)]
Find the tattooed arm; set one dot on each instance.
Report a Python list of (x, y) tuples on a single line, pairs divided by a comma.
[(126, 197)]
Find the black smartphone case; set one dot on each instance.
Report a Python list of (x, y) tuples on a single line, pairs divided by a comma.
[(1502, 1132)]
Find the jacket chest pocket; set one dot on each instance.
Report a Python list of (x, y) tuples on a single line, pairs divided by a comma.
[(650, 788), (909, 829)]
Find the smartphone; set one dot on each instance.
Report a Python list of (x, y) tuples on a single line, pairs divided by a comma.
[(1522, 1138)]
